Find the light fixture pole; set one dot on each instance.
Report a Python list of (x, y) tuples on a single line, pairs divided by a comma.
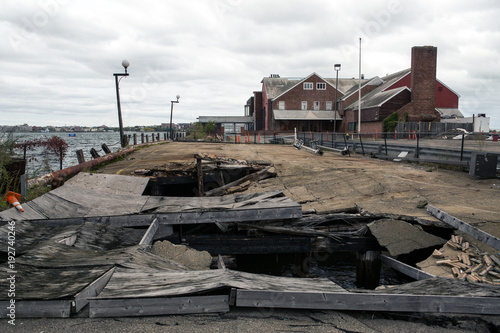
[(337, 68), (171, 114), (125, 65)]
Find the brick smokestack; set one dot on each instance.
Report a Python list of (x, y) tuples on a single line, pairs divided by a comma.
[(423, 79)]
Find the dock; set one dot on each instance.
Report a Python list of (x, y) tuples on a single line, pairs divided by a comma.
[(84, 248)]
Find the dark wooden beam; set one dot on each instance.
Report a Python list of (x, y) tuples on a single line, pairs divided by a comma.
[(465, 227), (134, 307), (368, 302)]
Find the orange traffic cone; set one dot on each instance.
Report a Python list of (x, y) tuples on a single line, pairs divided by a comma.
[(13, 199)]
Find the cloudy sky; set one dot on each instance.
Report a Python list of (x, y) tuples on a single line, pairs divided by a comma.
[(58, 56)]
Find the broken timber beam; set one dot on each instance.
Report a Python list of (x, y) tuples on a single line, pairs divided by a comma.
[(408, 270), (465, 227), (368, 302), (259, 175)]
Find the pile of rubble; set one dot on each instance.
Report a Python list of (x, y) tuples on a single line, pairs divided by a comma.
[(467, 263)]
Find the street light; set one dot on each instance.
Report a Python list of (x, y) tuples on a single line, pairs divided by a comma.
[(337, 68), (171, 114), (125, 65)]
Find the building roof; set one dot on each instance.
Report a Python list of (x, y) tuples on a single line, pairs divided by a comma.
[(305, 115), (377, 99), (379, 95), (277, 86), (446, 113), (225, 119)]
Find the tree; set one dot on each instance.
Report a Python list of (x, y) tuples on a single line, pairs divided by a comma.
[(210, 127)]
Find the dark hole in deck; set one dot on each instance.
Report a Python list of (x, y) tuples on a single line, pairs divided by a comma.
[(187, 185)]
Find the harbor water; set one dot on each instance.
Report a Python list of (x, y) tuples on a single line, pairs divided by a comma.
[(39, 161)]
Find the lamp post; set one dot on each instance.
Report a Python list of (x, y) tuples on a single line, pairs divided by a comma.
[(171, 114), (125, 65), (337, 68)]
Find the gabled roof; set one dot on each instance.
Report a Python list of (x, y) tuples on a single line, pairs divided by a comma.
[(355, 88), (276, 87), (372, 99), (377, 99)]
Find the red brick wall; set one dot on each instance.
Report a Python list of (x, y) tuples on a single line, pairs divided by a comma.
[(293, 98), (423, 78)]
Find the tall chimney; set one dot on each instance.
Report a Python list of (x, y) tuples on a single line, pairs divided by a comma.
[(423, 79)]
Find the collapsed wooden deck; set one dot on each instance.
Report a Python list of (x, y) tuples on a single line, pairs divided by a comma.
[(70, 260)]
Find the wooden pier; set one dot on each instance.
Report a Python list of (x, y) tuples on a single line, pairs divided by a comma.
[(84, 249)]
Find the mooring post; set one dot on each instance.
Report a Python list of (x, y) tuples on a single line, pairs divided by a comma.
[(135, 139), (147, 138), (60, 158), (199, 171), (368, 266), (142, 137), (94, 153), (80, 157), (105, 148)]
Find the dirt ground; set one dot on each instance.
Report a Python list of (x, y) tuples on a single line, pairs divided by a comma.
[(332, 181)]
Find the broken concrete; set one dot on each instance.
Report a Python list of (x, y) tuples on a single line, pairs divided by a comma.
[(401, 237)]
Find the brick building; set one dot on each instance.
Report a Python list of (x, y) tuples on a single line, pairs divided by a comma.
[(308, 104)]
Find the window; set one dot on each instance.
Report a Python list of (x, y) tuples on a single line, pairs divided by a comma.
[(321, 86), (281, 105), (316, 105), (304, 105), (329, 106), (308, 86), (351, 126)]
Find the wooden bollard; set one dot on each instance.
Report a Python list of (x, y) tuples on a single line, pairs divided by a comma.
[(165, 136), (142, 137), (135, 139), (368, 265), (157, 136), (106, 149), (94, 153), (80, 157), (147, 139), (153, 137)]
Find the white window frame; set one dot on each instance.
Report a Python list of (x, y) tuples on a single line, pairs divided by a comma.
[(304, 105), (281, 105), (317, 105), (329, 105), (308, 86), (320, 86)]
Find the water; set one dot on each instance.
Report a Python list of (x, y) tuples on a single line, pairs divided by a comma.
[(40, 162)]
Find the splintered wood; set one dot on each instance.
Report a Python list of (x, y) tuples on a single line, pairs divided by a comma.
[(468, 264)]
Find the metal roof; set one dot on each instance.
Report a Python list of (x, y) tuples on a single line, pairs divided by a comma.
[(225, 119), (305, 115), (449, 113)]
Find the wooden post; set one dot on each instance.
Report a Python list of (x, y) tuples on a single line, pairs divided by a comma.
[(94, 153), (80, 157), (142, 137), (368, 266), (199, 171), (106, 148), (147, 138), (135, 139), (152, 137)]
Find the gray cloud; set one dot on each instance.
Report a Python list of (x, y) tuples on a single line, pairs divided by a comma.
[(58, 56)]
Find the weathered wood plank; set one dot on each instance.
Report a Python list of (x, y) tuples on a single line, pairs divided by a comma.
[(408, 270), (147, 239), (107, 183), (158, 306), (465, 227), (94, 289), (135, 283), (37, 309), (368, 302)]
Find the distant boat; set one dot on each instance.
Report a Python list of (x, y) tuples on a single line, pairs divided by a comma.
[(72, 134)]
